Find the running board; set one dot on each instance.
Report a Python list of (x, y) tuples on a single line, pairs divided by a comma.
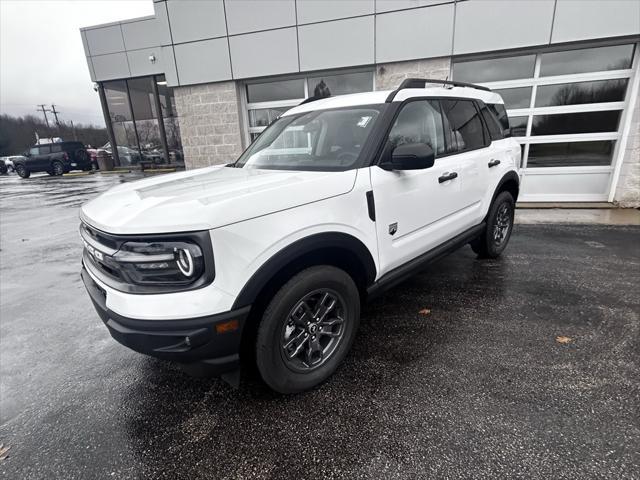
[(401, 273)]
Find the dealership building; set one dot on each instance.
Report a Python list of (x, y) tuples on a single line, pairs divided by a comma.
[(196, 82)]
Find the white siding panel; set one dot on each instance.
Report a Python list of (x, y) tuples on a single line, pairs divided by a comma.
[(411, 34), (105, 40), (595, 19), (264, 53), (495, 24), (203, 62), (109, 67), (196, 20), (321, 10), (252, 15), (341, 43)]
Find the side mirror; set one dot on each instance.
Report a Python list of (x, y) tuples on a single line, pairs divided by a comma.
[(410, 156), (26, 153)]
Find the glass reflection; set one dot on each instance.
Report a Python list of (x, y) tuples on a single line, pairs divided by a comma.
[(275, 91), (566, 123), (516, 97), (616, 57), (341, 84), (581, 92), (570, 154), (518, 126), (495, 69)]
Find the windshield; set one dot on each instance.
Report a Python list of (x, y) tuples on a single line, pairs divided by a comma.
[(323, 140)]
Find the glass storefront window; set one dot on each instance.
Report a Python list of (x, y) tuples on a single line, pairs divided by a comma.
[(265, 116), (135, 121), (581, 92), (518, 126), (570, 154), (275, 91), (516, 97), (495, 69), (117, 95), (342, 84), (569, 123), (616, 57)]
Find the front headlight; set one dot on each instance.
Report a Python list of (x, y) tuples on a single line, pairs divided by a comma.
[(160, 263)]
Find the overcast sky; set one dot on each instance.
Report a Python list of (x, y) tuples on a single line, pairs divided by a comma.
[(41, 54)]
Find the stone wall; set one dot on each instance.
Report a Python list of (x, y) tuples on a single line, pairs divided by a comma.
[(390, 75), (628, 188), (209, 121)]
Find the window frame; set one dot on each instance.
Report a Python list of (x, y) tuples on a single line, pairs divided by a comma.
[(383, 149)]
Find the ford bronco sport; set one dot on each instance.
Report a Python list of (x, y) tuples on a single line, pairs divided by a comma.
[(53, 158), (337, 200)]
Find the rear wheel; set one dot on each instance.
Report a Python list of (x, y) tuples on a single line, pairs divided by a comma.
[(57, 168), (22, 171), (3, 167), (495, 237), (307, 329)]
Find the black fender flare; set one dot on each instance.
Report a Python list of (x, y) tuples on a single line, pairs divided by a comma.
[(298, 249), (510, 175)]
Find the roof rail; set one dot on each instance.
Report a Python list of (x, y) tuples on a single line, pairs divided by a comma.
[(312, 99), (422, 83)]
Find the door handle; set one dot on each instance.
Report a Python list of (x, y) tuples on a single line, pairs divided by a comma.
[(494, 162), (447, 176)]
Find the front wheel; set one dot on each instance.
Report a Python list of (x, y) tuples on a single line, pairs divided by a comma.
[(493, 240), (307, 329), (22, 171)]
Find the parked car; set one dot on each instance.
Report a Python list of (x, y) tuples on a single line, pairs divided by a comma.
[(128, 156), (53, 158), (94, 153), (270, 257)]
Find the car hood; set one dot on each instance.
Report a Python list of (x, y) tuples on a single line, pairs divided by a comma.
[(208, 198)]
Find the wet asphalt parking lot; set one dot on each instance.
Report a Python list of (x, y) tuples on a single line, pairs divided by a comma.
[(478, 387)]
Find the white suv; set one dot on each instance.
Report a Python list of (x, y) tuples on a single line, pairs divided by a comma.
[(269, 258)]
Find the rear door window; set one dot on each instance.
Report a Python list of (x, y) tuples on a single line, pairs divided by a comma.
[(494, 127), (45, 150), (466, 125), (501, 114), (56, 148)]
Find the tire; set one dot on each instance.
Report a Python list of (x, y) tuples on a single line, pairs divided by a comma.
[(285, 328), (495, 237), (3, 168), (57, 168), (22, 171)]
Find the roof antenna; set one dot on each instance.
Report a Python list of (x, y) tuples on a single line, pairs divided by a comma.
[(444, 85)]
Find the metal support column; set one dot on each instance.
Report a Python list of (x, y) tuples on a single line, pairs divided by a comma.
[(163, 134), (107, 121)]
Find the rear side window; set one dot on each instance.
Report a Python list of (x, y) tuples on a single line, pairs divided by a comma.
[(494, 127), (466, 125), (45, 150), (501, 114), (56, 148)]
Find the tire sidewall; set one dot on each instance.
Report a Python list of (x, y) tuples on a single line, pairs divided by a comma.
[(272, 367), (53, 168), (492, 249), (22, 171)]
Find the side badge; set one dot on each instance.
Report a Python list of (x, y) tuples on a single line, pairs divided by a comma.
[(393, 228)]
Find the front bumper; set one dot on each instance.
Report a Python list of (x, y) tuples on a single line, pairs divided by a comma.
[(186, 340)]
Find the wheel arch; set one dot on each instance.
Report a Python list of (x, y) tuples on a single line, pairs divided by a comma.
[(330, 248), (510, 182)]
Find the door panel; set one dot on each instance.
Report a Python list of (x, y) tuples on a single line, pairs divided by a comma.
[(416, 210)]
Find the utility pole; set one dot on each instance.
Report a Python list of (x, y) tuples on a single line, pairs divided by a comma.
[(75, 136), (44, 112), (55, 114)]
